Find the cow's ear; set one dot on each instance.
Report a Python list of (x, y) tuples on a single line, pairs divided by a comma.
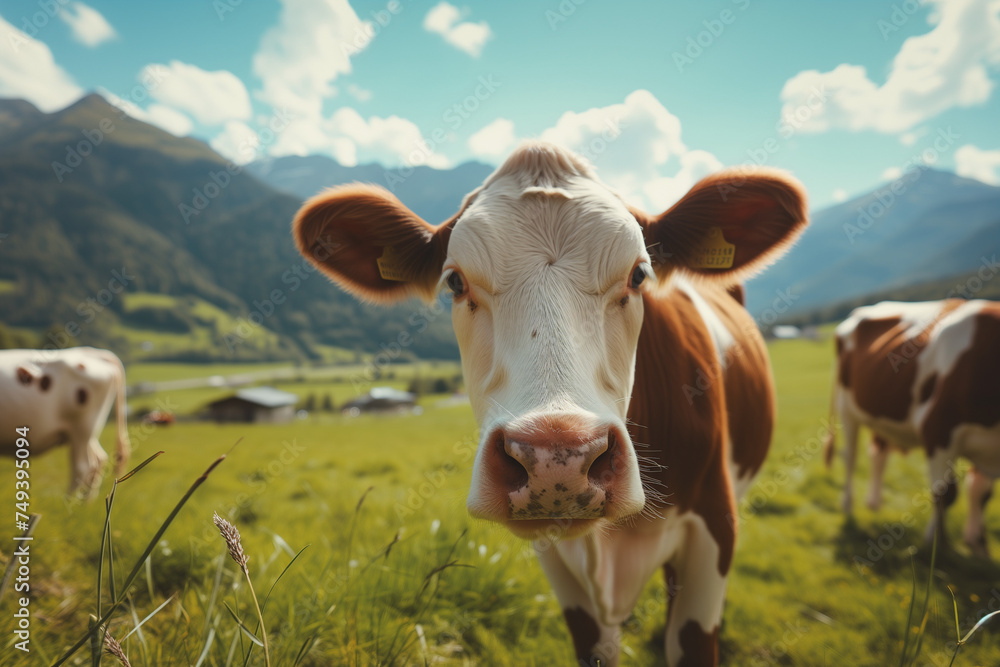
[(729, 225), (370, 244)]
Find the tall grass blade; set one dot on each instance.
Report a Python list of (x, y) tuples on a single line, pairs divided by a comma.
[(139, 564), (304, 651), (151, 615), (208, 645), (927, 599), (251, 636), (978, 625)]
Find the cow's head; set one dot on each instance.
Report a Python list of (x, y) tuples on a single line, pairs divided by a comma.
[(547, 267)]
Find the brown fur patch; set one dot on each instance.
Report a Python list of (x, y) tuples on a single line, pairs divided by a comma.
[(679, 409), (749, 383), (584, 630), (882, 367), (927, 388), (698, 648), (970, 392), (45, 383), (81, 396), (24, 376), (738, 292), (345, 230)]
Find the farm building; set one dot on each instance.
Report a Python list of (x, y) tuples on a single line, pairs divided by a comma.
[(257, 404), (381, 399)]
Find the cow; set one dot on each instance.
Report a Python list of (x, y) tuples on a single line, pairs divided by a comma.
[(624, 394), (923, 375), (64, 397)]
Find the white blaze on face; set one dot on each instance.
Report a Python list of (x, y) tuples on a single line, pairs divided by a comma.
[(549, 323)]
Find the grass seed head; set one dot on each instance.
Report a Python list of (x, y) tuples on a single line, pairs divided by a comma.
[(113, 648), (232, 537)]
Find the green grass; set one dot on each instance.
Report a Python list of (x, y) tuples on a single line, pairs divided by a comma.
[(796, 595), (7, 286)]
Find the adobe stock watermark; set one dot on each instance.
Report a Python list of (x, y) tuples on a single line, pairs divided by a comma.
[(910, 350), (699, 43), (900, 16), (417, 323), (786, 127), (704, 381), (264, 309), (767, 487), (452, 118), (416, 496), (912, 170), (88, 310), (31, 25), (562, 12), (248, 150)]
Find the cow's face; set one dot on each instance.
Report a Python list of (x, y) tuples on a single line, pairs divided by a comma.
[(547, 267)]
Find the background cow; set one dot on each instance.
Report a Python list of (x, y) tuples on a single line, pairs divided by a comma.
[(923, 375), (64, 397), (561, 320)]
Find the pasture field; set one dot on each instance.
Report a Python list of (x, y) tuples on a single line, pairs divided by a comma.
[(395, 572)]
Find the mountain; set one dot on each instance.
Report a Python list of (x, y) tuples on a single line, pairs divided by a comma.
[(926, 227), (108, 225), (430, 193)]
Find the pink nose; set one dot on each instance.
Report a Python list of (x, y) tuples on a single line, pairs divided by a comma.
[(556, 467)]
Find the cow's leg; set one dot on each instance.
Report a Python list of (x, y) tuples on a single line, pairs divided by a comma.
[(944, 490), (850, 429), (980, 489), (878, 454), (596, 644), (87, 460), (697, 591)]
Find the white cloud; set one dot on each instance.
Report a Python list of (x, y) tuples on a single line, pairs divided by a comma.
[(164, 117), (444, 19), (359, 93), (636, 145), (494, 140), (974, 162), (300, 57), (88, 25), (839, 195), (238, 141), (351, 139), (211, 98), (892, 173), (170, 119), (944, 68), (28, 71)]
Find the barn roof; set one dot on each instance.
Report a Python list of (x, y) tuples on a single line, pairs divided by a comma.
[(267, 397)]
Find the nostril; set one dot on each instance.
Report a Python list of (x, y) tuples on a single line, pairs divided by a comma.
[(602, 470), (512, 474)]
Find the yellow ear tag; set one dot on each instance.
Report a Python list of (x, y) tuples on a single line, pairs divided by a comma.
[(389, 265), (714, 252)]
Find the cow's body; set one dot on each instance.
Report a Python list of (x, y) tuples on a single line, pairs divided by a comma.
[(621, 417), (702, 373), (63, 397), (924, 376)]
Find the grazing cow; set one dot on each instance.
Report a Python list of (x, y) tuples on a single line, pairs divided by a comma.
[(623, 404), (63, 397), (923, 375)]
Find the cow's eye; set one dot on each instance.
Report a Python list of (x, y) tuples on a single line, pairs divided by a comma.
[(456, 284), (638, 275)]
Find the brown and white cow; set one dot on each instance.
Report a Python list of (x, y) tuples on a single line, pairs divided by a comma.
[(623, 405), (64, 397), (923, 375)]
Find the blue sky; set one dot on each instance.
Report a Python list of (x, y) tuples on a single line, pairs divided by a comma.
[(657, 94)]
